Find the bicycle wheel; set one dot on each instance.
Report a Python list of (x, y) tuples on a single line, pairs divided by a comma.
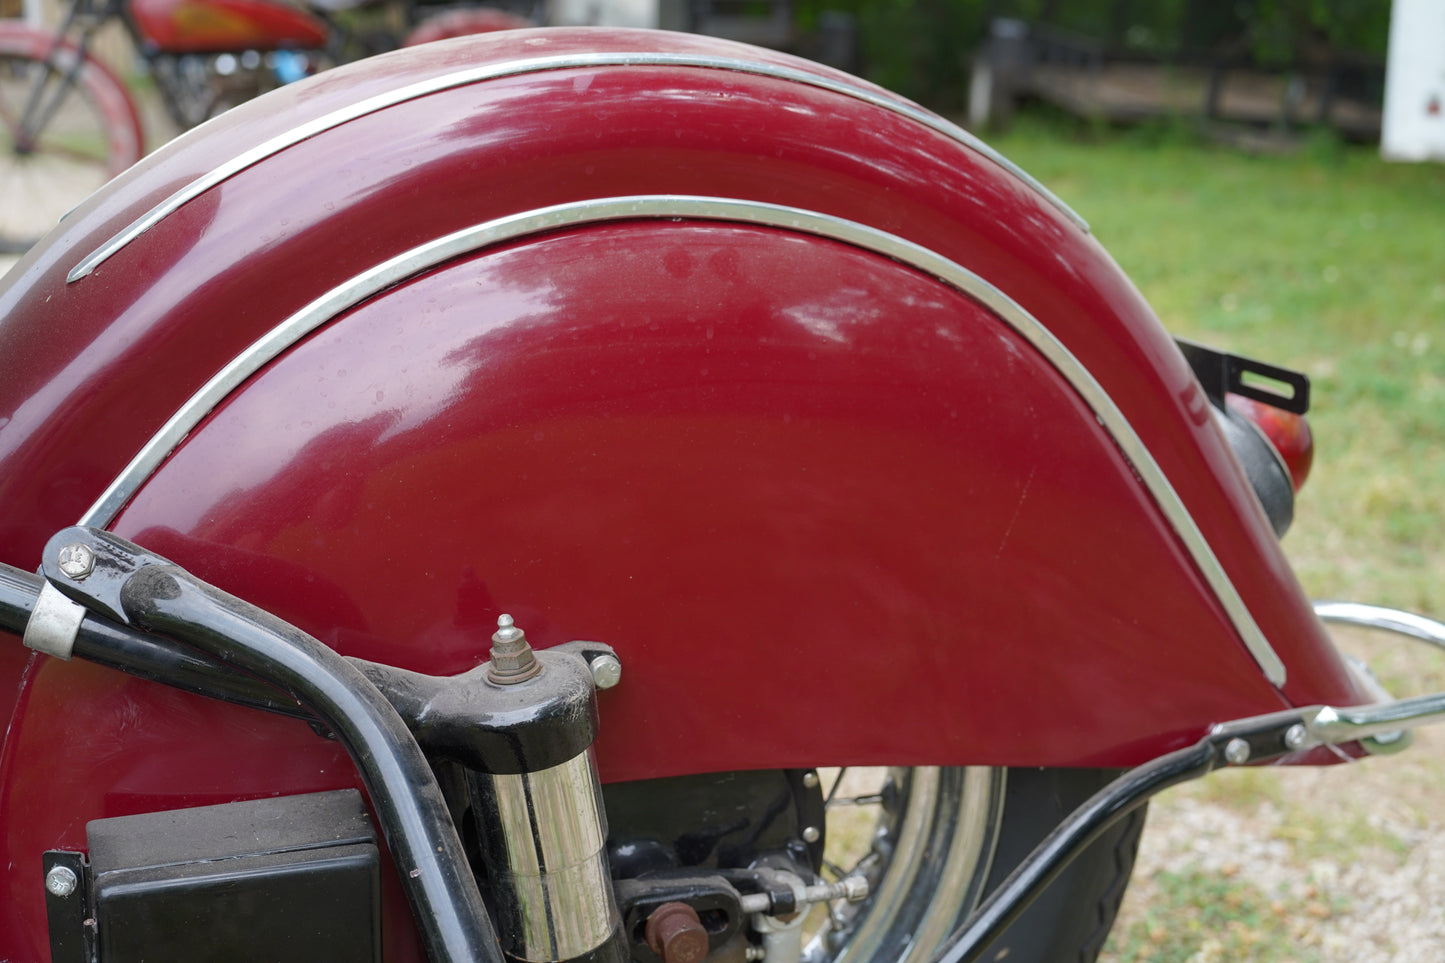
[(67, 126)]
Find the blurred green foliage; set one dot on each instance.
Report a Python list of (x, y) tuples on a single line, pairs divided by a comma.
[(921, 48)]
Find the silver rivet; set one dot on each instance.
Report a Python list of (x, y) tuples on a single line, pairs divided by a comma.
[(60, 881), (1296, 736), (1237, 752), (606, 671), (77, 561), (811, 834), (810, 779)]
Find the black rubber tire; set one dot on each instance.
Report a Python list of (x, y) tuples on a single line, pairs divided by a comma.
[(1071, 920)]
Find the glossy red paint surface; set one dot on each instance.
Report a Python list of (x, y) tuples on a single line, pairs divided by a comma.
[(827, 509), (198, 26)]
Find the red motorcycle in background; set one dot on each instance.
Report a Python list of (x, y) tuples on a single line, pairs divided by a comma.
[(68, 123), (687, 502)]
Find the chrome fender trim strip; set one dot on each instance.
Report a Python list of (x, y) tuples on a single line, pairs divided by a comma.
[(517, 68), (468, 240)]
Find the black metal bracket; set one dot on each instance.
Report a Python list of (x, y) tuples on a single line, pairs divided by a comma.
[(522, 727), (1220, 373), (67, 907)]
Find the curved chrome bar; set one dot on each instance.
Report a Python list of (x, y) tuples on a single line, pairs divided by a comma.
[(674, 207), (1338, 724), (1399, 622), (514, 68)]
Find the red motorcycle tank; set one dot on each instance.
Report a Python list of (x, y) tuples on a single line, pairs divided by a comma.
[(853, 443), (205, 26)]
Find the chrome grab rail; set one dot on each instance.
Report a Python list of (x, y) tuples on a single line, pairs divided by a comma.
[(1380, 726)]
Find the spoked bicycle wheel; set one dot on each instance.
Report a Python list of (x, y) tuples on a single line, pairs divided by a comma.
[(67, 126)]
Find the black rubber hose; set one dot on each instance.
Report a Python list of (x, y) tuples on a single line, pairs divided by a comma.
[(18, 591), (409, 804)]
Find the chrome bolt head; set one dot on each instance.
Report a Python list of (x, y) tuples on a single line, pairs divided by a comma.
[(810, 779), (61, 881), (76, 561), (606, 671), (1296, 736), (1236, 751), (811, 834)]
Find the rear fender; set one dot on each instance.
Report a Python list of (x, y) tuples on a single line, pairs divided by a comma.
[(849, 438)]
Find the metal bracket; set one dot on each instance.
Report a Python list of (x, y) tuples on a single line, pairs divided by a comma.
[(1220, 372), (54, 623), (67, 907)]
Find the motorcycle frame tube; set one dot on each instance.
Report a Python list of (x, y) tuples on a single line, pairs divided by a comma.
[(443, 249), (436, 876), (544, 841)]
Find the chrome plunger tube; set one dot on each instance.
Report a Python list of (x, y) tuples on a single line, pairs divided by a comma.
[(543, 840)]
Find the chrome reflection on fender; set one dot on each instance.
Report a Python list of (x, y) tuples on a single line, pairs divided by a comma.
[(650, 207), (515, 68)]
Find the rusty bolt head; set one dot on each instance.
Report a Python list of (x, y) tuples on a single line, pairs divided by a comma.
[(76, 561), (675, 933), (512, 656)]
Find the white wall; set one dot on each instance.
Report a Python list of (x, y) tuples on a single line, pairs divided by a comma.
[(1414, 121)]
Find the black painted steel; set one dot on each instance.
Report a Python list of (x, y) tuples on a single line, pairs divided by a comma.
[(525, 727), (146, 656), (152, 593), (72, 927)]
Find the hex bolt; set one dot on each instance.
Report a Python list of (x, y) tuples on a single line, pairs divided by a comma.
[(77, 561), (61, 881), (1296, 736), (512, 658), (1236, 752), (675, 933), (606, 671)]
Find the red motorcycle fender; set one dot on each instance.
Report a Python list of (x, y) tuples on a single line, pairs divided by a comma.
[(197, 26), (852, 441)]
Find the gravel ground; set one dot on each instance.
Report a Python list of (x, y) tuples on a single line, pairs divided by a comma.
[(1348, 861)]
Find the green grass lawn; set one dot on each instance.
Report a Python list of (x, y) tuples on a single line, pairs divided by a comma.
[(1331, 262)]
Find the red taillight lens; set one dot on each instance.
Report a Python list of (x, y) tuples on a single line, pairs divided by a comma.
[(1287, 432)]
